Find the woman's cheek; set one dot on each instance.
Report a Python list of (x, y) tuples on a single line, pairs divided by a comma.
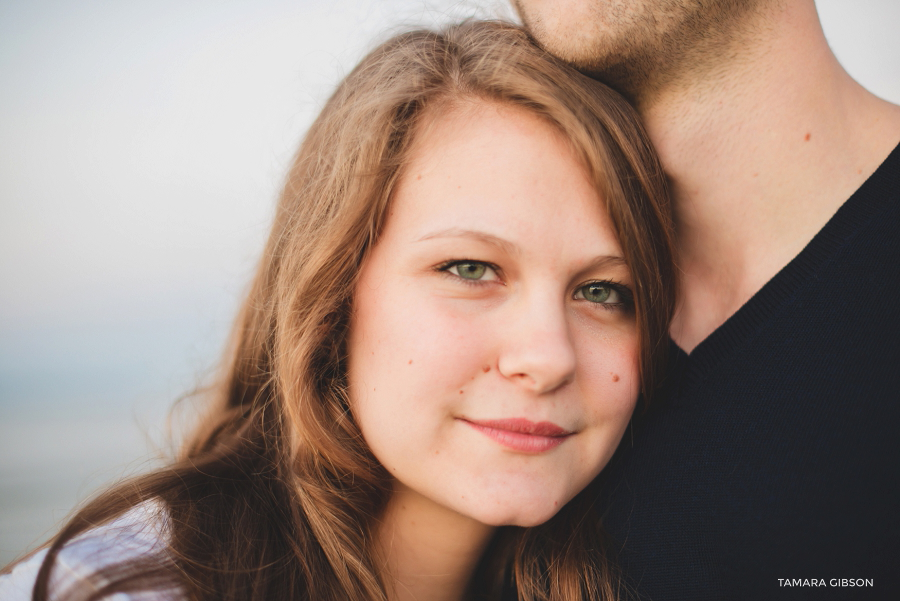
[(609, 365)]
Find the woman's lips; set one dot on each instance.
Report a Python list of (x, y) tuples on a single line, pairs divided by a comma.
[(522, 434)]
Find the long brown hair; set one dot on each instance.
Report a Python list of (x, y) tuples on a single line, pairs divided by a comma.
[(276, 495)]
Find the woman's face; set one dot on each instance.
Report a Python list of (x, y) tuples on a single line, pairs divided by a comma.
[(493, 349)]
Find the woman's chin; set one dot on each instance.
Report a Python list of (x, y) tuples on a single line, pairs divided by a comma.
[(522, 516)]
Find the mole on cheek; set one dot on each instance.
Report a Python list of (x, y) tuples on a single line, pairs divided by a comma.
[(615, 377), (486, 368)]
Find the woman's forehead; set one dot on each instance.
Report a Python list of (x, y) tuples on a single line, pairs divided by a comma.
[(499, 171)]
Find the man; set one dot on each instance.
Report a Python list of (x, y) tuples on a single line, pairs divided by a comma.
[(770, 465)]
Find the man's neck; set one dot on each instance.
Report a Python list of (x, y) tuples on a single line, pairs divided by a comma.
[(761, 150)]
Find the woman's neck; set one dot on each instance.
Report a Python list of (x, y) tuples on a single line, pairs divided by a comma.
[(429, 551)]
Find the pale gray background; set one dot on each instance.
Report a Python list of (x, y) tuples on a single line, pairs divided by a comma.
[(142, 144)]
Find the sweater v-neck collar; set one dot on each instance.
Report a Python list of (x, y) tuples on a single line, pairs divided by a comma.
[(872, 197)]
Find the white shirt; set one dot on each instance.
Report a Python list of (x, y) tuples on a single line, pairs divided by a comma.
[(139, 532)]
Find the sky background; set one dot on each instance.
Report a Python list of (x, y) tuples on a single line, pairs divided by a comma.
[(142, 146)]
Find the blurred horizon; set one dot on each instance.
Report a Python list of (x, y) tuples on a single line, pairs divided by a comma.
[(142, 148)]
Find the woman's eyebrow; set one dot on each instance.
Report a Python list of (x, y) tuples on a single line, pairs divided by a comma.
[(598, 262), (605, 262), (455, 232), (602, 263)]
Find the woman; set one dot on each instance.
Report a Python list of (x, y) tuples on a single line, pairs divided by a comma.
[(467, 286)]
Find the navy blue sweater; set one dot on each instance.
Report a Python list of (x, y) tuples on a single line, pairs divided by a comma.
[(775, 452)]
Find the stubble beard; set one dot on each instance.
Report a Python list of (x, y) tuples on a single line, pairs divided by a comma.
[(639, 47)]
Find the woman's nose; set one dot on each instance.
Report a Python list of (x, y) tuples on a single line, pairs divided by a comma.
[(538, 352)]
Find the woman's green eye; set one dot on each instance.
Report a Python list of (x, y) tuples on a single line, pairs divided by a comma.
[(469, 271), (599, 293)]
